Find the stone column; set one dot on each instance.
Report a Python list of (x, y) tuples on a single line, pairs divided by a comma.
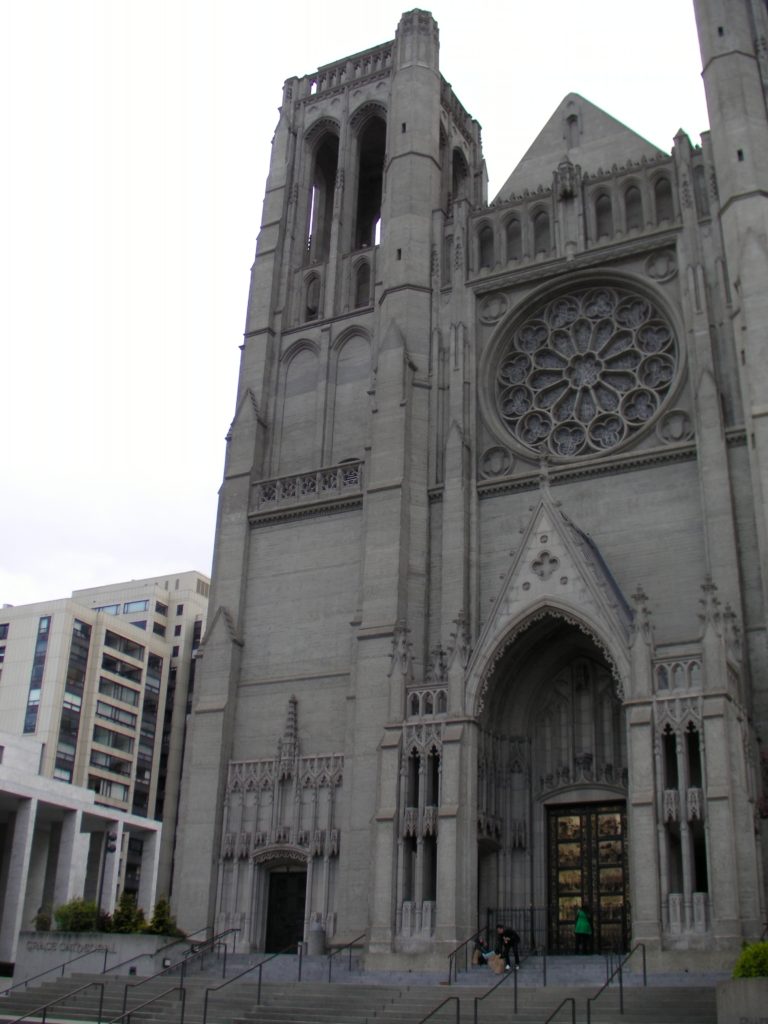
[(150, 860), (73, 854), (16, 886)]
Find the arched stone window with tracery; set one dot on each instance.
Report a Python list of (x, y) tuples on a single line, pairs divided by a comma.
[(485, 247), (603, 216), (633, 209)]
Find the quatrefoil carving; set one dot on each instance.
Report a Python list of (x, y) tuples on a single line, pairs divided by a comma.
[(545, 564)]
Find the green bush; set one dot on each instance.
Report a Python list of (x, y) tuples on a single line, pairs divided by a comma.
[(163, 922), (76, 916), (127, 916), (752, 962)]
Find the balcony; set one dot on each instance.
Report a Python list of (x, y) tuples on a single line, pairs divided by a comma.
[(308, 493)]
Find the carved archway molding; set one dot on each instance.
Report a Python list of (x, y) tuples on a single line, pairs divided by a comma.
[(280, 854), (483, 670)]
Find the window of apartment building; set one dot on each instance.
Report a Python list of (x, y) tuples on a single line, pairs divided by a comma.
[(111, 763), (158, 628), (108, 609), (121, 668), (135, 606), (202, 588), (160, 608), (74, 685), (36, 676), (116, 740), (124, 645), (177, 630), (175, 651), (141, 624), (179, 609), (119, 692), (113, 714), (4, 630), (106, 787)]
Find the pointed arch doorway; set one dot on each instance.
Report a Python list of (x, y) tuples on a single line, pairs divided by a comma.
[(552, 784)]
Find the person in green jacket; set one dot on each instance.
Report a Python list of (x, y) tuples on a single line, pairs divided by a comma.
[(583, 930)]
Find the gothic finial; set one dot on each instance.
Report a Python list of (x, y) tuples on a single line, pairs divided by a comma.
[(642, 624), (437, 669), (710, 613), (460, 641), (400, 656)]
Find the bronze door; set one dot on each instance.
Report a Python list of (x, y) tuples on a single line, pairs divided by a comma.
[(588, 867)]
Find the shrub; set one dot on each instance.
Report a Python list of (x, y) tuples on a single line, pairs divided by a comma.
[(752, 961), (42, 920), (127, 916), (163, 922), (78, 915)]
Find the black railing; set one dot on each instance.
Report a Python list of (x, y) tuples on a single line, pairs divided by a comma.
[(450, 999), (61, 966), (160, 949), (335, 953), (619, 970), (43, 1010), (126, 1014), (491, 990), (568, 999), (253, 967), (463, 948)]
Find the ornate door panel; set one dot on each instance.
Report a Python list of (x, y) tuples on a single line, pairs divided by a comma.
[(588, 866)]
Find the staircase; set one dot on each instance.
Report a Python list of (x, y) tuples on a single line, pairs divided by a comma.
[(358, 998)]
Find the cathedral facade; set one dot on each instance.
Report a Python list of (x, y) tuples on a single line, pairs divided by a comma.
[(487, 628)]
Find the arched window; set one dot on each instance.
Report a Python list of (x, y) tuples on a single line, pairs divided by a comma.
[(299, 427), (662, 192), (485, 246), (572, 131), (514, 240), (363, 284), (459, 176), (351, 407), (633, 208), (603, 216), (370, 179), (542, 240), (321, 204), (312, 297)]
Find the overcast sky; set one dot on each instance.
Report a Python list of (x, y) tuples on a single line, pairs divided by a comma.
[(135, 137)]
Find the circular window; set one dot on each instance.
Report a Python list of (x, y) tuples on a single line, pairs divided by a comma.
[(585, 372)]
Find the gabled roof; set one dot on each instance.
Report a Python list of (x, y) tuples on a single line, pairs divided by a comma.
[(596, 140)]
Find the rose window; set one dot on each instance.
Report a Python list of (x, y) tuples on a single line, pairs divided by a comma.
[(586, 372)]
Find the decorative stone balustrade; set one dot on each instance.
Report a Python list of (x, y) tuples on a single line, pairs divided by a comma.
[(304, 489)]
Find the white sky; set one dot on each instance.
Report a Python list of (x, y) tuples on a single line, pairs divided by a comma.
[(135, 141)]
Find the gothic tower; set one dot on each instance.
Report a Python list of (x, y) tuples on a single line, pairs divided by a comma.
[(487, 629)]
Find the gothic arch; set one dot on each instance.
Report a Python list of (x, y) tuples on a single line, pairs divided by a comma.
[(484, 661)]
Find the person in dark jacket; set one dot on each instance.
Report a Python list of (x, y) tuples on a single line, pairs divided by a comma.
[(507, 941)]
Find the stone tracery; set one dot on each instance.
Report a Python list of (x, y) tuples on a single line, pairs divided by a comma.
[(586, 372)]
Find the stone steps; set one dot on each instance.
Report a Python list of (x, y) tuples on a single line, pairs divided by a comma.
[(286, 1002)]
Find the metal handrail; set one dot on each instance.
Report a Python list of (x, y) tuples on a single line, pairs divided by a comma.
[(620, 971), (478, 999), (452, 969), (126, 1015), (44, 1009), (160, 949), (210, 943), (568, 999), (449, 999), (98, 949), (347, 945), (215, 988)]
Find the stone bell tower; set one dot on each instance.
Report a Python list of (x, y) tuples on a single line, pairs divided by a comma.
[(322, 542)]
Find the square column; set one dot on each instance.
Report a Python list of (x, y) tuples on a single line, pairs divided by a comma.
[(150, 860), (72, 859), (18, 869)]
